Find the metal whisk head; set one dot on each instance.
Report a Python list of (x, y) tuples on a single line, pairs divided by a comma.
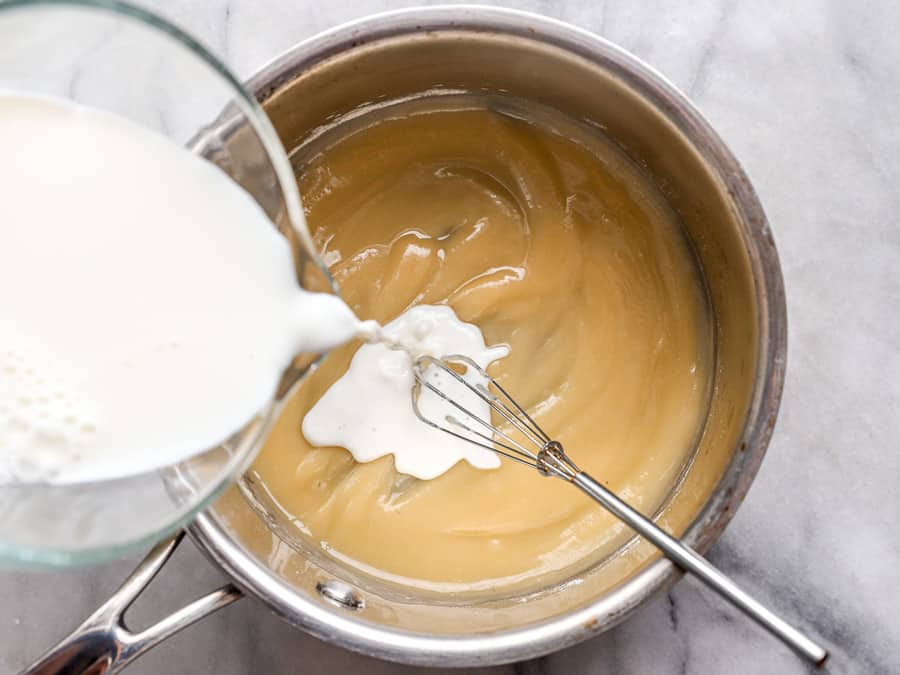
[(520, 439)]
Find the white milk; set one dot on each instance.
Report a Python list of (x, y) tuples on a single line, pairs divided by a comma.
[(368, 410), (147, 305)]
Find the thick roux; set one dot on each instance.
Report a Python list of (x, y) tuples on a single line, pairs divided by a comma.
[(552, 241)]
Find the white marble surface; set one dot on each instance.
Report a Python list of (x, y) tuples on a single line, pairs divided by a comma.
[(808, 96)]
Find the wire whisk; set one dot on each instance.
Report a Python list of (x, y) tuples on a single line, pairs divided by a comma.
[(522, 440)]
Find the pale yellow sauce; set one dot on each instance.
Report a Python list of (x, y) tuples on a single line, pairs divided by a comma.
[(552, 242)]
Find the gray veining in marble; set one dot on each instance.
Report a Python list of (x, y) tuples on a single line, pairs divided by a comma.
[(808, 96)]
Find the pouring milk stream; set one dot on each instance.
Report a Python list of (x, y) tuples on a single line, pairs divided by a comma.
[(148, 309)]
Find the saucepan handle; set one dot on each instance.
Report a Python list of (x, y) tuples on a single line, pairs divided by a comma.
[(103, 644)]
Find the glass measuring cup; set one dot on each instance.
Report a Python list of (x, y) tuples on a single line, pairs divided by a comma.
[(117, 57)]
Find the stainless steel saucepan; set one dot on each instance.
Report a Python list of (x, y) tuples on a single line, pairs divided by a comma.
[(414, 52)]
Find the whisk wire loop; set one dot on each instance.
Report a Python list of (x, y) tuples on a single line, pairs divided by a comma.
[(545, 457), (506, 406), (510, 447)]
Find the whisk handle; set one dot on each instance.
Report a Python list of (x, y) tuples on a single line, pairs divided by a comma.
[(690, 561)]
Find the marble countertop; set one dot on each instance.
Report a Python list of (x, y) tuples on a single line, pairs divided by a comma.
[(807, 94)]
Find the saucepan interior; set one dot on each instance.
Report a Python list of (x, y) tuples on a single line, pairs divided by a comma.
[(475, 49)]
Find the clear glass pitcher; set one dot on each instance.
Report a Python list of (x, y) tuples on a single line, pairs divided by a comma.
[(121, 58)]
